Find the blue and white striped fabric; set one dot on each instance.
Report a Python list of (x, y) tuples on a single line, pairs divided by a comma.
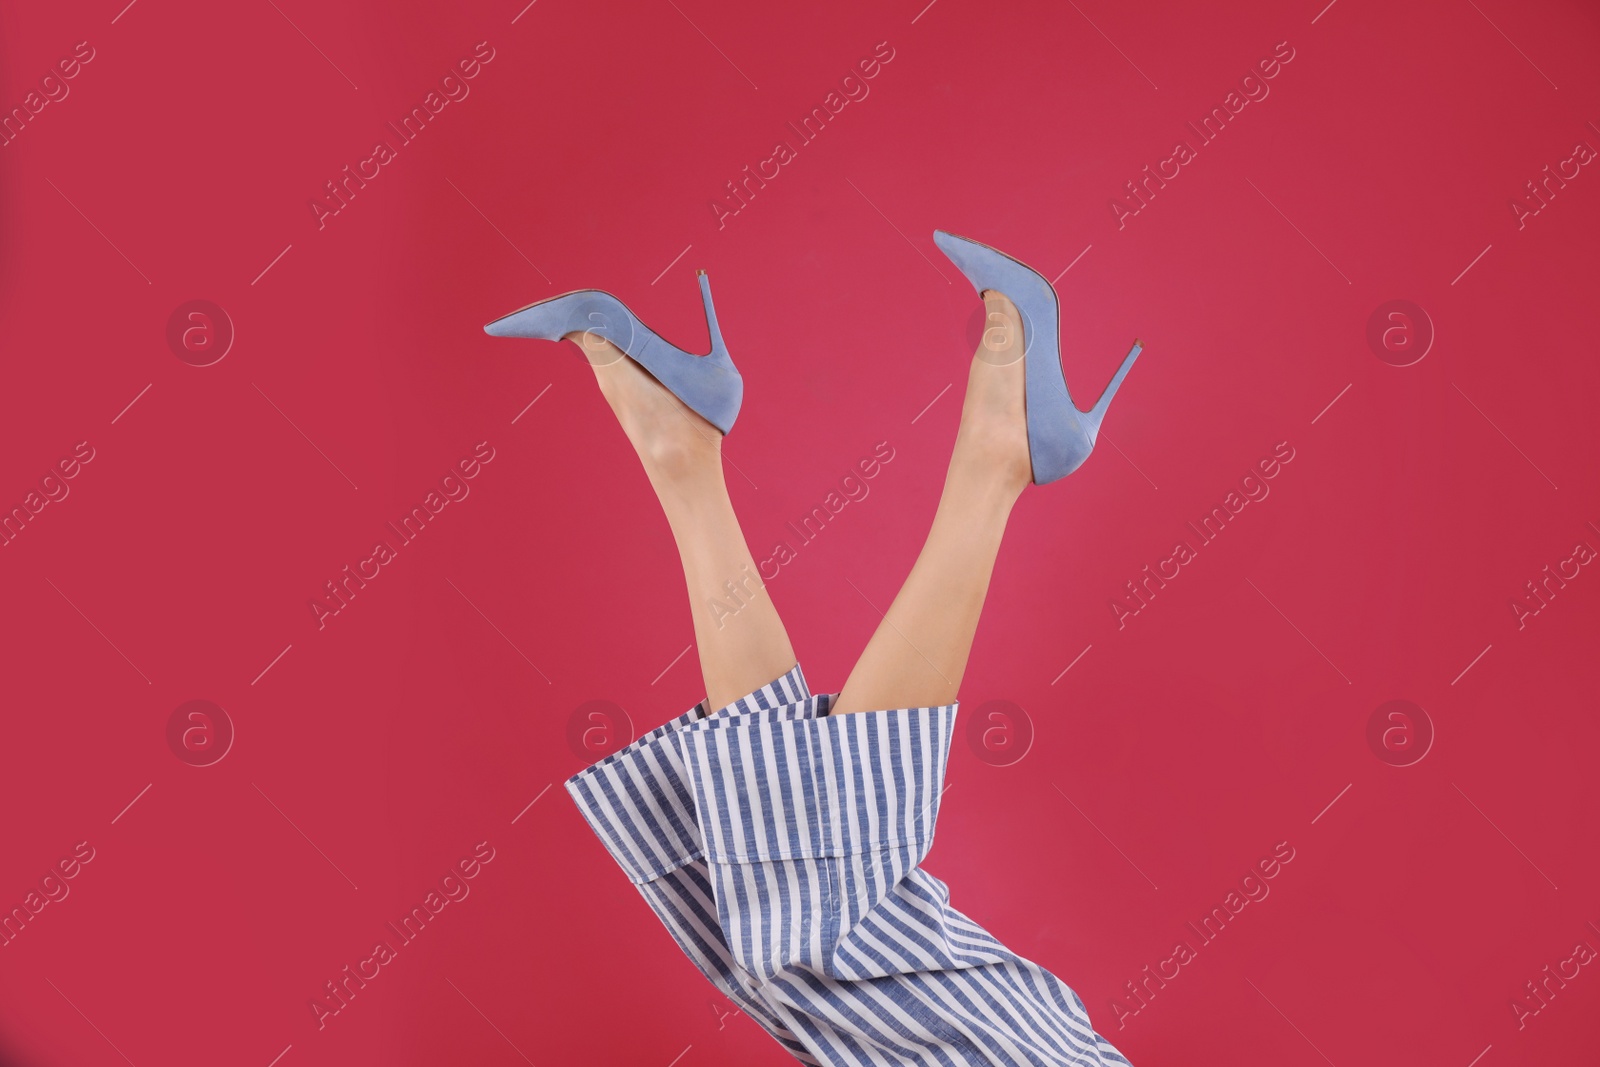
[(780, 847)]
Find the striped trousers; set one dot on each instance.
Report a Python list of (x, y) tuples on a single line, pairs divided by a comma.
[(780, 847)]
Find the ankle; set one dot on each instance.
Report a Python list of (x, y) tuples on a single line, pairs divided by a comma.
[(672, 441), (679, 460), (986, 469), (993, 454)]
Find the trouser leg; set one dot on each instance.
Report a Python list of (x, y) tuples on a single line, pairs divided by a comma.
[(638, 803), (814, 831)]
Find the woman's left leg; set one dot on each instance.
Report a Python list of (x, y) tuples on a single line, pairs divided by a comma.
[(919, 652)]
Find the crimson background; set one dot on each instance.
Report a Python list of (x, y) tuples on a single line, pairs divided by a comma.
[(428, 714)]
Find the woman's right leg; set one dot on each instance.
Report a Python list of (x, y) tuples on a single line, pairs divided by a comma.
[(639, 800), (740, 638)]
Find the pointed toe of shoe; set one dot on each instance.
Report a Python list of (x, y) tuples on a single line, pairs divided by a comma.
[(531, 322), (975, 261)]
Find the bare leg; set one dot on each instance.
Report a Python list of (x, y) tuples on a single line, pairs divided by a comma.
[(918, 654), (741, 640)]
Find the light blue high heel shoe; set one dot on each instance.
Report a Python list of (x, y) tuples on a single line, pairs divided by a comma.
[(710, 384), (1060, 437)]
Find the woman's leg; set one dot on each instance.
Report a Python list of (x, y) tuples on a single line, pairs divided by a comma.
[(638, 800), (741, 640), (919, 652)]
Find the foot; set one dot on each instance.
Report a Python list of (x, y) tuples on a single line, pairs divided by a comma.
[(671, 439), (992, 444)]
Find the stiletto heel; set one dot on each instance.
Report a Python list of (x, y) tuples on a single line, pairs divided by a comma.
[(1098, 412), (710, 385), (1060, 436), (718, 348)]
